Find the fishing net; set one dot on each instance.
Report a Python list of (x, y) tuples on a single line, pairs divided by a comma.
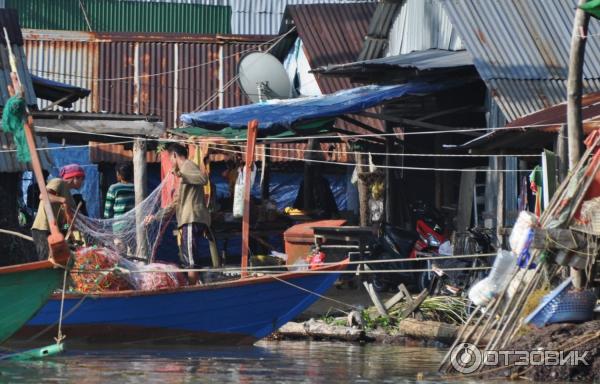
[(135, 234), (117, 254)]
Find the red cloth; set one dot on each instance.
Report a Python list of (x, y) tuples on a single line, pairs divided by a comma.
[(71, 170)]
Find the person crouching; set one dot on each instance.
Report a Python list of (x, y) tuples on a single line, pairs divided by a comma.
[(72, 176)]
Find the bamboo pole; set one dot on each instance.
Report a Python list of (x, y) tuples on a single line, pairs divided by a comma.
[(574, 90), (250, 146)]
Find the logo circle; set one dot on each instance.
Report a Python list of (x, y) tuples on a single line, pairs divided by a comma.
[(466, 358)]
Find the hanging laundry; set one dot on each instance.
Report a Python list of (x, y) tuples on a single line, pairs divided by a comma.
[(536, 184)]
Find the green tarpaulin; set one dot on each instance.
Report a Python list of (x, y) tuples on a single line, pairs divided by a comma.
[(592, 7)]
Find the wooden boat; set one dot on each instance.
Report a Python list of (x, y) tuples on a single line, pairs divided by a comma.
[(236, 312), (24, 289)]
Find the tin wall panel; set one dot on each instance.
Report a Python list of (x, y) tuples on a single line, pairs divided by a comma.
[(199, 81), (72, 62), (146, 76), (115, 84)]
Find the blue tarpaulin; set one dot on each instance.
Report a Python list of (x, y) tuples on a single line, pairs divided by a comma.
[(275, 116)]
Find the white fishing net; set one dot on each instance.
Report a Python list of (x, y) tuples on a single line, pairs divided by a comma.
[(129, 235)]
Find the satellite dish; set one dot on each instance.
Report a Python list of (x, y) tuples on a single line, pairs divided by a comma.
[(263, 77)]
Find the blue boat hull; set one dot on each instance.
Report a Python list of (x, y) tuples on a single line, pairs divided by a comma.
[(233, 313)]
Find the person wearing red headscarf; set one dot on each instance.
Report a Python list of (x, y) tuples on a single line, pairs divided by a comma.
[(72, 176)]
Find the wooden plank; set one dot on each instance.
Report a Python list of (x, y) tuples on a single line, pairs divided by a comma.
[(250, 147), (417, 301), (465, 200), (557, 238), (375, 299)]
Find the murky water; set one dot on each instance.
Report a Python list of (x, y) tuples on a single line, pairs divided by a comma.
[(267, 362)]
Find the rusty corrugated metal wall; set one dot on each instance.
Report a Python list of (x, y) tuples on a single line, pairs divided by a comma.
[(163, 75)]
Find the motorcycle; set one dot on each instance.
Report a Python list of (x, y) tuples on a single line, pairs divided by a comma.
[(457, 282), (393, 242)]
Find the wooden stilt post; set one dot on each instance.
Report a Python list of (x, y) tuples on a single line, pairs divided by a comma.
[(363, 192), (500, 164), (250, 146), (140, 183), (574, 90)]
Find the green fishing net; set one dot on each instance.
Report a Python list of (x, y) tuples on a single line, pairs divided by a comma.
[(13, 117)]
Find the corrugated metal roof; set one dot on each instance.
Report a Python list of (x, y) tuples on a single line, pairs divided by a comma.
[(9, 19), (521, 50), (148, 74), (257, 17), (122, 16), (376, 41), (332, 34), (8, 155), (537, 129), (421, 25), (419, 60), (403, 26)]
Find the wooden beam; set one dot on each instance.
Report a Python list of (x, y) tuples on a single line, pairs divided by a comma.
[(359, 124), (448, 112), (250, 147), (114, 127), (419, 124)]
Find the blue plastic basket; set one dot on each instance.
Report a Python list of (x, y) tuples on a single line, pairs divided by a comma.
[(563, 306)]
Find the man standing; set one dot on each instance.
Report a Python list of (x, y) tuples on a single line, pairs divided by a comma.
[(59, 193), (193, 218)]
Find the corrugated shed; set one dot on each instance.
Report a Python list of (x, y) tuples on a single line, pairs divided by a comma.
[(521, 50), (421, 25), (8, 154), (147, 74), (332, 34), (122, 16), (257, 17)]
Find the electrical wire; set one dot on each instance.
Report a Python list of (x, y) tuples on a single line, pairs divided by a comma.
[(273, 42)]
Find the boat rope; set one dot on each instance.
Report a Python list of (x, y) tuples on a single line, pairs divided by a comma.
[(315, 293), (60, 336), (66, 315)]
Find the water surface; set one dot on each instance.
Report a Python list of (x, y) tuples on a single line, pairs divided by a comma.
[(266, 362)]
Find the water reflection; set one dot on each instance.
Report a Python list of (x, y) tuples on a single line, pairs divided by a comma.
[(267, 362)]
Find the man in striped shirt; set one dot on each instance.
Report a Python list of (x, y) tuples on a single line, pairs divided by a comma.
[(120, 197)]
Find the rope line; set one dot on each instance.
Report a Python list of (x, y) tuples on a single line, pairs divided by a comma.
[(315, 293)]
